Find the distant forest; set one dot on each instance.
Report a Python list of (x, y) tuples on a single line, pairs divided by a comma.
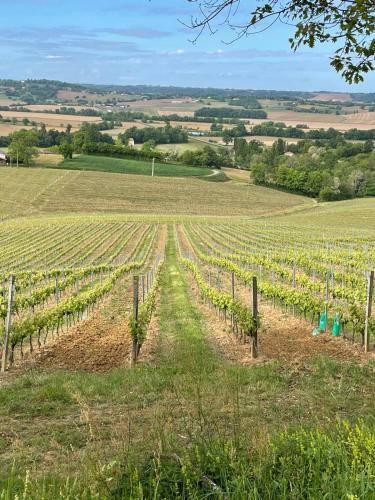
[(39, 91)]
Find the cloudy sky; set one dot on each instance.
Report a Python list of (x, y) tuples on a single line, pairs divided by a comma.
[(145, 42)]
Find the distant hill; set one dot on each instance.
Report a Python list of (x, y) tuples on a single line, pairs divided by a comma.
[(43, 91)]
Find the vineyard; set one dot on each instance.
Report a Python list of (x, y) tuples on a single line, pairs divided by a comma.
[(64, 275), (151, 350), (319, 280), (63, 270)]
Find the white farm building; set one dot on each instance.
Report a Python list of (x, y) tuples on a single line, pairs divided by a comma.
[(3, 157)]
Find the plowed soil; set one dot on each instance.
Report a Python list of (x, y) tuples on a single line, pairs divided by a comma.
[(97, 345)]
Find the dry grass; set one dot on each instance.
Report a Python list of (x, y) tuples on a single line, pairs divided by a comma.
[(332, 96), (48, 191), (51, 119), (127, 125), (362, 121), (71, 94), (53, 107), (237, 175), (184, 106), (48, 159), (7, 128), (4, 101), (268, 141)]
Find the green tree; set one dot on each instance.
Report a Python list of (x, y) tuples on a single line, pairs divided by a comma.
[(22, 146), (227, 136), (368, 146), (279, 147), (258, 172), (346, 24), (66, 149)]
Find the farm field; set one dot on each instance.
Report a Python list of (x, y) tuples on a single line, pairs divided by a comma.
[(180, 106), (73, 96), (50, 119), (362, 120), (176, 405), (128, 166), (114, 132), (32, 191), (8, 128), (192, 145), (268, 141)]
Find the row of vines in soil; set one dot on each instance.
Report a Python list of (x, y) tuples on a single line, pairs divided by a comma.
[(48, 300), (309, 277)]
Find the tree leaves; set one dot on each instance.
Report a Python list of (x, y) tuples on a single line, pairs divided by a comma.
[(349, 23)]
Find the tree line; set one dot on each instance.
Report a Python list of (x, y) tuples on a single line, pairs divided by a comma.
[(23, 146), (279, 129), (212, 112), (330, 170), (158, 135)]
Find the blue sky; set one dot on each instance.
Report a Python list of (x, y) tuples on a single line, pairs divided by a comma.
[(143, 42)]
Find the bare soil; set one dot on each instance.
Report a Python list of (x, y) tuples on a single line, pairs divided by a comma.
[(97, 344)]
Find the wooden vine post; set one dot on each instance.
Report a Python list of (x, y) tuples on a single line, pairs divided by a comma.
[(57, 291), (143, 289), (370, 290), (233, 294), (254, 337), (135, 316), (326, 301), (8, 323), (294, 284)]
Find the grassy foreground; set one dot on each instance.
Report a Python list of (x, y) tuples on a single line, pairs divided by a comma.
[(189, 425)]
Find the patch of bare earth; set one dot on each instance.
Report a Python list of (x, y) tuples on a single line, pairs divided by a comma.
[(289, 338), (150, 346), (97, 344)]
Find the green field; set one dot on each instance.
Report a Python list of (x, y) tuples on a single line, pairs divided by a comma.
[(48, 191), (196, 417), (136, 167)]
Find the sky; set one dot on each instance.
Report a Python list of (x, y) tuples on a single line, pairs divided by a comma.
[(145, 42)]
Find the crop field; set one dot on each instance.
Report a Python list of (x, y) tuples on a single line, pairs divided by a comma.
[(72, 96), (294, 272), (363, 120), (181, 148), (137, 124), (161, 338), (32, 191), (116, 165), (50, 119), (8, 128), (180, 106)]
